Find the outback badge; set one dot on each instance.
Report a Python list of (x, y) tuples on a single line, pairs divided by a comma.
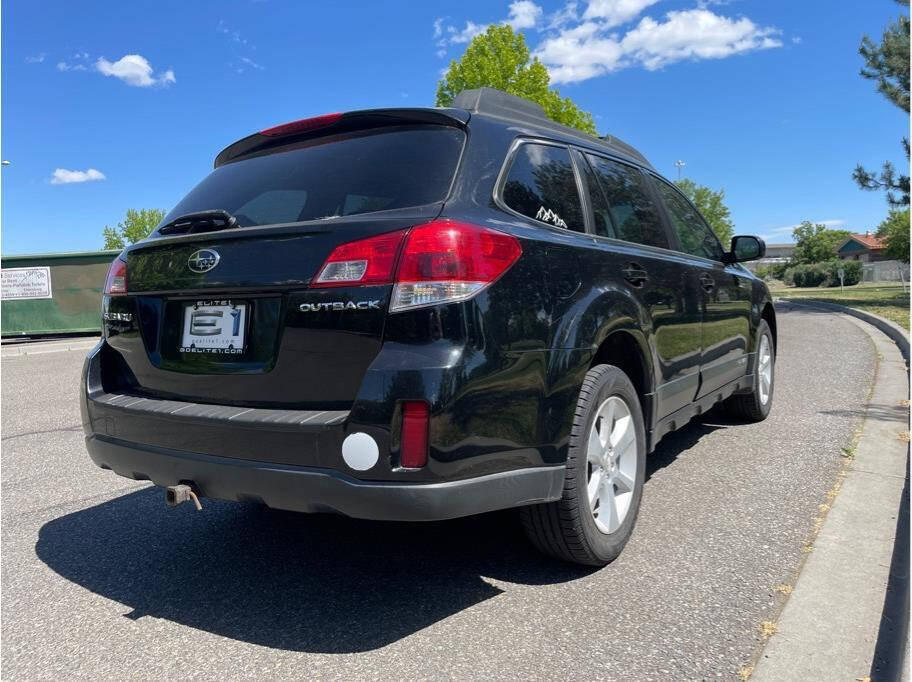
[(339, 305)]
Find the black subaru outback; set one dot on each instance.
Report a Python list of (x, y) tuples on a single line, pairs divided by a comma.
[(418, 314)]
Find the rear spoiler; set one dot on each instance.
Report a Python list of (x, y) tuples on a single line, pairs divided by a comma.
[(332, 124)]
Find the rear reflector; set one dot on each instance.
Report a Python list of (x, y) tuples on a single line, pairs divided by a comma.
[(414, 450), (116, 281), (302, 126)]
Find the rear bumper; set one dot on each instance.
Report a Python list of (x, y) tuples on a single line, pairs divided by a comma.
[(310, 489)]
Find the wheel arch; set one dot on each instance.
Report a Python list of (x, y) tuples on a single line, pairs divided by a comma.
[(768, 315), (627, 351)]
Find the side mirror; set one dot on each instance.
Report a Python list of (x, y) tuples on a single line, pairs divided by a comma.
[(745, 247)]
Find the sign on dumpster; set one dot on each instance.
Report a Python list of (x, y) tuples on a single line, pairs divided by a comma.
[(25, 283)]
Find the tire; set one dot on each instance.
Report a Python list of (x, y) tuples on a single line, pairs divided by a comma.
[(570, 529), (755, 406)]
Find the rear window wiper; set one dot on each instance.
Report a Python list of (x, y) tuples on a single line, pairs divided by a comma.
[(200, 221)]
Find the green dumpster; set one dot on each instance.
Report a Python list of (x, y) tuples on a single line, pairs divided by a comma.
[(53, 293)]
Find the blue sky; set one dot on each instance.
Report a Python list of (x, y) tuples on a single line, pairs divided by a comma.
[(112, 105)]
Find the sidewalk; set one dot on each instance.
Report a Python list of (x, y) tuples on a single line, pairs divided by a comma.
[(847, 617)]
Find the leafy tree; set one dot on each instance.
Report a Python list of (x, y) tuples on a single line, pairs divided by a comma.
[(816, 243), (895, 232), (137, 225), (499, 58), (888, 64), (711, 205)]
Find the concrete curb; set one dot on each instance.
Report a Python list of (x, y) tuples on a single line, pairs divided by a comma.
[(899, 335), (847, 616), (15, 350)]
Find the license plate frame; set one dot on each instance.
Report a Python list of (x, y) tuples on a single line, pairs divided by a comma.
[(215, 327)]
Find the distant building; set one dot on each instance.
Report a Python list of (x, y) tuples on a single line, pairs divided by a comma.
[(775, 254), (867, 248)]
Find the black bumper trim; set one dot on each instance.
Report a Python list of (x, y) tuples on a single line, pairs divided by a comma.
[(219, 414), (308, 489)]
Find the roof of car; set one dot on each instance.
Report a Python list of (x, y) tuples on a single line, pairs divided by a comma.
[(491, 102), (483, 102)]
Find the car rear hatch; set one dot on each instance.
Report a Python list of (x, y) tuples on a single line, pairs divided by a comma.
[(220, 306)]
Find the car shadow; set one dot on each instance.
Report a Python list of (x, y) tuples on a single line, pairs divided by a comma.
[(315, 583)]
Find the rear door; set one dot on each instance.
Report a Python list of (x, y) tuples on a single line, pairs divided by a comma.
[(231, 317), (635, 251), (724, 293)]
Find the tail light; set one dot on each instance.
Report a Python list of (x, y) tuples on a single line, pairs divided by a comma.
[(445, 261), (366, 261), (414, 451), (439, 262), (116, 281)]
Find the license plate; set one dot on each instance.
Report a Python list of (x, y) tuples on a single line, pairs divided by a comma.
[(216, 327)]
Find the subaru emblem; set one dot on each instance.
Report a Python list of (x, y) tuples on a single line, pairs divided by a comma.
[(203, 260)]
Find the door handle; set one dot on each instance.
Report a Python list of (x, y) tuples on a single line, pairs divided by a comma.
[(707, 282), (635, 274)]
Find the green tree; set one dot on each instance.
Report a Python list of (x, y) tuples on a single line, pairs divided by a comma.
[(499, 58), (888, 64), (137, 225), (711, 205), (895, 232), (815, 243)]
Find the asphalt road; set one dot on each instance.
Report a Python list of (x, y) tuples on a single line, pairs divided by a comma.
[(100, 579)]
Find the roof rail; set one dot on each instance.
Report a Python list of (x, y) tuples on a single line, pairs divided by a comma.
[(498, 103), (502, 104)]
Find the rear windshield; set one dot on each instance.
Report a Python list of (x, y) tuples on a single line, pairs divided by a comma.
[(358, 173)]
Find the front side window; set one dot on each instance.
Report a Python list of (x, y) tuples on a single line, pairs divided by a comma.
[(634, 216), (541, 185), (601, 211), (695, 235)]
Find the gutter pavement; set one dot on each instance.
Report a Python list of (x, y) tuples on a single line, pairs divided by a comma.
[(848, 615)]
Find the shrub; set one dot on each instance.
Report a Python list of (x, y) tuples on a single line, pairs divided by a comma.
[(825, 274)]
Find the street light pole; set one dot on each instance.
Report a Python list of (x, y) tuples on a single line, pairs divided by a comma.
[(679, 165)]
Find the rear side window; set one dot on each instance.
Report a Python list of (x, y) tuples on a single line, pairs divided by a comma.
[(695, 235), (634, 216), (374, 170), (541, 184)]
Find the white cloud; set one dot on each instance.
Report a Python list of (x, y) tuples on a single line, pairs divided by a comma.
[(796, 40), (62, 176), (134, 69), (36, 58), (465, 35), (562, 17), (694, 34), (523, 14), (65, 66), (580, 53), (588, 49), (783, 234), (615, 12), (252, 64), (234, 36)]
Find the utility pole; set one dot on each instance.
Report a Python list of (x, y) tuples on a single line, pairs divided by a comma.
[(679, 165)]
